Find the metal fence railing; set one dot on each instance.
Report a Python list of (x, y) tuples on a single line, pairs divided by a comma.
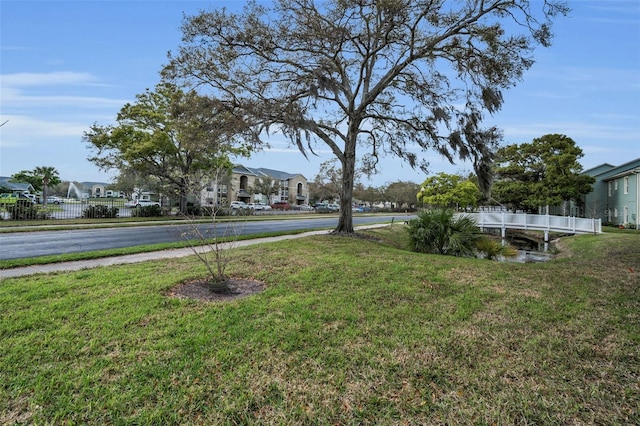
[(70, 208)]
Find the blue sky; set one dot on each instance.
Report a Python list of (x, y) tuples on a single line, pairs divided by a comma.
[(67, 64)]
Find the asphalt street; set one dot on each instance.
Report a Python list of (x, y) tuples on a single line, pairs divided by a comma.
[(142, 257)]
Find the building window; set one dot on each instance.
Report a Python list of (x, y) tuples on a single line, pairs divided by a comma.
[(626, 185), (615, 185), (625, 218), (615, 212), (609, 185)]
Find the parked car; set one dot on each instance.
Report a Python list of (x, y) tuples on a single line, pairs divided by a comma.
[(333, 207), (141, 203), (238, 205), (258, 206), (303, 207), (280, 205), (54, 200)]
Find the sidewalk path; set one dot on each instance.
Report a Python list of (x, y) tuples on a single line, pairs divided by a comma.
[(143, 257)]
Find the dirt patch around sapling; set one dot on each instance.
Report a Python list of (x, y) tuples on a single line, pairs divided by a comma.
[(201, 289)]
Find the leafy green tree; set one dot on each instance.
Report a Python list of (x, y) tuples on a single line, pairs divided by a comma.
[(327, 183), (446, 190), (266, 186), (544, 172), (129, 181), (389, 77), (439, 231), (170, 135), (401, 193), (369, 194)]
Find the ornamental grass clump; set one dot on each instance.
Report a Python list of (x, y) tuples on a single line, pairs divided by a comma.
[(491, 249), (439, 231)]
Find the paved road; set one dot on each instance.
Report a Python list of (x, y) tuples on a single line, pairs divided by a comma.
[(143, 257), (42, 243)]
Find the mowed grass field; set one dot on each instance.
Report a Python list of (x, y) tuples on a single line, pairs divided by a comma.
[(348, 331)]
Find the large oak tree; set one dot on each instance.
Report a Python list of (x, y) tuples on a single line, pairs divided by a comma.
[(542, 173), (401, 193), (180, 138), (390, 76)]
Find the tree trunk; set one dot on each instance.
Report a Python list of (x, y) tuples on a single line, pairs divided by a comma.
[(45, 191), (183, 194), (345, 222)]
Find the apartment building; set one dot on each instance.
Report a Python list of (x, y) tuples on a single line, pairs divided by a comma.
[(245, 185)]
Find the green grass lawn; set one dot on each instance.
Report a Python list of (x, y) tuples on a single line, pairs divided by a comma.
[(348, 331)]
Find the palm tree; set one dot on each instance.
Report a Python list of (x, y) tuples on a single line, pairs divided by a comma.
[(438, 231), (49, 176), (40, 178)]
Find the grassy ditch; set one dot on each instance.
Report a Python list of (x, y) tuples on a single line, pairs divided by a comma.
[(348, 331)]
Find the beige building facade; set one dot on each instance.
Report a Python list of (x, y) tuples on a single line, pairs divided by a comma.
[(245, 183)]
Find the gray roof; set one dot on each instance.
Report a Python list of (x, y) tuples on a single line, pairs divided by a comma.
[(240, 169), (275, 174), (15, 186), (625, 169)]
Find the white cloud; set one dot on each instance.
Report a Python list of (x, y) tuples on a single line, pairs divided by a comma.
[(573, 129), (26, 131), (29, 79), (16, 98)]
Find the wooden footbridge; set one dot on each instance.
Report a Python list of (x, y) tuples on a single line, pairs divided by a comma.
[(536, 222)]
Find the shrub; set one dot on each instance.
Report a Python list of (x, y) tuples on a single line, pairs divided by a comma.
[(194, 210), (100, 211), (147, 211), (26, 210), (439, 231)]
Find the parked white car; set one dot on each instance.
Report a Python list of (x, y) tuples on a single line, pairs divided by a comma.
[(303, 207), (238, 205), (258, 206), (141, 203), (54, 200)]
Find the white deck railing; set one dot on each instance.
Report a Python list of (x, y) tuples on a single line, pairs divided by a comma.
[(574, 225)]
